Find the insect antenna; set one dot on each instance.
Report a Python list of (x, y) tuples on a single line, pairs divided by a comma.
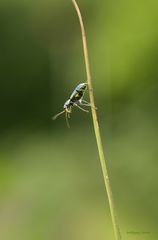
[(67, 116), (58, 114)]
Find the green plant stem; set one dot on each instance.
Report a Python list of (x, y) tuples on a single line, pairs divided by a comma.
[(96, 127)]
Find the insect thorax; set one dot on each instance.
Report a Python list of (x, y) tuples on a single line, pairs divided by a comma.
[(76, 96), (68, 105)]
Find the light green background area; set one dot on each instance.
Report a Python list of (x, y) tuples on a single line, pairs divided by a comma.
[(51, 185)]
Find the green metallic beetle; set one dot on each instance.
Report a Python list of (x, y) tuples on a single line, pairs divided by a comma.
[(76, 99)]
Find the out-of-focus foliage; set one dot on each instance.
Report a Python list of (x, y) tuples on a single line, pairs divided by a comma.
[(51, 185)]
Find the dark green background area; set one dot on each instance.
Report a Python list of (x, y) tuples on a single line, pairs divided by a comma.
[(51, 185)]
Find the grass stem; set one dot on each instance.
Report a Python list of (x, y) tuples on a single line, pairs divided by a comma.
[(96, 127)]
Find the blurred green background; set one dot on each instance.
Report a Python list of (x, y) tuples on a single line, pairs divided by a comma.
[(51, 184)]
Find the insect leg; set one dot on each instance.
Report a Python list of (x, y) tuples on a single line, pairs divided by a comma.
[(85, 103), (57, 115), (67, 116), (84, 110)]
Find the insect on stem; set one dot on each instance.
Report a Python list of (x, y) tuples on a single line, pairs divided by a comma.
[(96, 127), (76, 99)]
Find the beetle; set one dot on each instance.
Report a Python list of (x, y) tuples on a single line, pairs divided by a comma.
[(76, 99)]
